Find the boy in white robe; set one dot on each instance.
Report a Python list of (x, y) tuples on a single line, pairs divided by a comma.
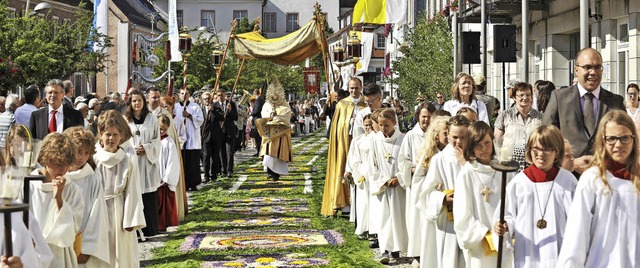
[(89, 245), (476, 199), (169, 174), (537, 202), (602, 225), (385, 186), (57, 203), (356, 169), (407, 163), (122, 189), (438, 193)]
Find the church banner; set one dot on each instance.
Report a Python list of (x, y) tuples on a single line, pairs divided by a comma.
[(311, 79)]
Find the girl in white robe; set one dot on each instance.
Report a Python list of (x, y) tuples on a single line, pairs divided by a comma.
[(23, 246), (435, 141), (602, 225), (120, 177), (89, 245), (57, 203), (437, 193), (169, 174), (357, 168), (146, 143), (477, 197), (537, 202), (385, 186)]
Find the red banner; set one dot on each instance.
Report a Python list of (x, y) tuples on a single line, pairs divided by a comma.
[(311, 79)]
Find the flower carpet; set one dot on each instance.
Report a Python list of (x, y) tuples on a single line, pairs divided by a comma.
[(289, 260), (266, 209), (267, 221), (258, 239), (266, 201)]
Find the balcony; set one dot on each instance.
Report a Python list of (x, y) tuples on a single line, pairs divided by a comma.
[(499, 11)]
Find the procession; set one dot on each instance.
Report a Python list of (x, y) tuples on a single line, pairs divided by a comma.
[(383, 138)]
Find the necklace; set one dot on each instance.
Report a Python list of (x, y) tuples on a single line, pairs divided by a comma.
[(542, 223), (486, 191), (388, 155), (137, 129)]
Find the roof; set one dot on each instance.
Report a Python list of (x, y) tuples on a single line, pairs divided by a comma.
[(137, 11)]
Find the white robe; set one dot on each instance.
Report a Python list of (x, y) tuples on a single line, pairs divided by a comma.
[(283, 115), (536, 247), (22, 244), (473, 216), (59, 226), (443, 170), (393, 233), (358, 165), (408, 159), (95, 226), (120, 178), (602, 224), (427, 237), (169, 163), (149, 138)]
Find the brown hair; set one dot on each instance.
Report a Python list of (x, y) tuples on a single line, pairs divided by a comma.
[(375, 114), (458, 120), (600, 155), (521, 86), (549, 136), (129, 111), (475, 134), (113, 118), (164, 120), (17, 130), (388, 113), (57, 149), (168, 100), (455, 94), (84, 140)]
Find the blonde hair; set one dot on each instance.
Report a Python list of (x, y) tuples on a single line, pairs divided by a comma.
[(387, 113), (430, 145), (455, 93), (164, 120), (17, 130), (550, 137), (113, 118), (57, 149), (600, 155), (84, 139)]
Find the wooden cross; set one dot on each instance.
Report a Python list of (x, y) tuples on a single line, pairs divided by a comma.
[(485, 193), (387, 156)]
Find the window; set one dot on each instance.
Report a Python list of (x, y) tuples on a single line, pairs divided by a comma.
[(292, 22), (11, 12), (208, 18), (269, 22), (380, 41), (179, 16), (239, 14), (623, 33)]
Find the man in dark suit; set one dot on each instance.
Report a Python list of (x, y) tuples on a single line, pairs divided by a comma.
[(55, 117), (69, 89), (255, 114), (212, 141), (230, 115), (576, 110)]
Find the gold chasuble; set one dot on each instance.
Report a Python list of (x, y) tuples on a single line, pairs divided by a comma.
[(336, 193)]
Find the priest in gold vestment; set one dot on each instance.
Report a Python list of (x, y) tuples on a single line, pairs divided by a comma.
[(275, 130), (336, 192)]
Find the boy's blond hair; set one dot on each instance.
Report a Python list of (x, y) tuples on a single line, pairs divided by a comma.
[(58, 150)]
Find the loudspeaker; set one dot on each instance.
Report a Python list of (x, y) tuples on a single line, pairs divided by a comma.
[(470, 47), (504, 43)]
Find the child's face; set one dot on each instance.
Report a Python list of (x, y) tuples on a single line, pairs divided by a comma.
[(54, 171), (619, 151), (471, 116), (110, 139), (163, 129), (567, 160), (368, 126), (443, 137), (375, 125), (484, 150), (457, 134), (386, 126), (81, 159), (543, 157)]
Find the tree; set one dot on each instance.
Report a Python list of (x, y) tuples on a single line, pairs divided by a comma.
[(40, 50), (427, 64)]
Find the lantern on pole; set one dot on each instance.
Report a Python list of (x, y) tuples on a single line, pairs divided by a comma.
[(184, 42), (354, 48), (216, 57), (338, 53)]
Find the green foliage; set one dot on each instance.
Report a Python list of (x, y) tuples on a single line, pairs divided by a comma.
[(41, 50), (427, 64)]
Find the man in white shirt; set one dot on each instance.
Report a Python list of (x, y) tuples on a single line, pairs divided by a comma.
[(193, 119)]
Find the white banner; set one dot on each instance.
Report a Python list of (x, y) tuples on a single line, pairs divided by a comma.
[(100, 20), (174, 37)]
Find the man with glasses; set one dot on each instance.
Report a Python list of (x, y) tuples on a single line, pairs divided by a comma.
[(576, 110), (439, 103), (56, 117), (336, 193), (519, 118)]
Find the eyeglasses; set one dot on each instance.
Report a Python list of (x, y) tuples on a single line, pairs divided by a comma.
[(440, 97), (523, 96), (611, 140), (591, 67), (545, 151), (371, 101)]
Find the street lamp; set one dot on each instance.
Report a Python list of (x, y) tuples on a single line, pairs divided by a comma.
[(354, 48), (39, 7), (338, 53), (216, 57), (184, 45)]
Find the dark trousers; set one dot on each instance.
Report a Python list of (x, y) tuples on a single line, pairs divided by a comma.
[(230, 144), (211, 158), (258, 139), (150, 202), (191, 166)]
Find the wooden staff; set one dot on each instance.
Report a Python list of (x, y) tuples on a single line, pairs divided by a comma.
[(511, 166), (224, 56), (235, 84), (323, 42)]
